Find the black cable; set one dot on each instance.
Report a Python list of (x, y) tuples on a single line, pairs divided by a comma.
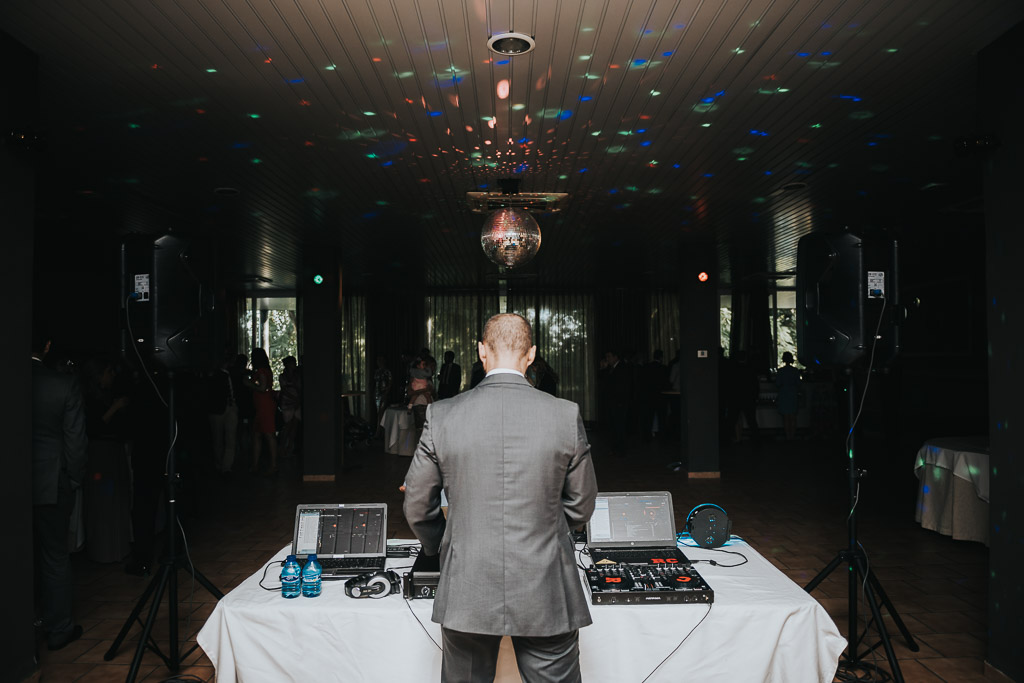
[(679, 645), (408, 603), (730, 552), (580, 552), (269, 564)]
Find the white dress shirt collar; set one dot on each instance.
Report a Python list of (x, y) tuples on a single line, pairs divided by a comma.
[(504, 371)]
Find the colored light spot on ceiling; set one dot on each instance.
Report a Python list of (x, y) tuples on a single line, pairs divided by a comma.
[(613, 66), (741, 158), (492, 122), (705, 125), (767, 172), (615, 149), (563, 177), (585, 98), (308, 143), (200, 111), (892, 50), (759, 133), (641, 130), (268, 60), (783, 89), (503, 62), (404, 74), (502, 89), (595, 133), (387, 163), (645, 143), (369, 113), (639, 62), (584, 58), (211, 71), (666, 54), (655, 93), (518, 107), (675, 165), (304, 103), (329, 67), (816, 125), (582, 170), (803, 54), (256, 160), (652, 163), (254, 116), (708, 175), (296, 81), (155, 66), (739, 50), (632, 188), (647, 32), (434, 113), (133, 126)]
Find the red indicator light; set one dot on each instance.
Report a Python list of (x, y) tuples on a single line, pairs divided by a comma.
[(702, 276)]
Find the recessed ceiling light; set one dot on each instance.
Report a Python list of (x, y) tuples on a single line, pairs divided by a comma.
[(511, 43)]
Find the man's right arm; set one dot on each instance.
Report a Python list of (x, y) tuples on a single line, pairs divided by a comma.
[(423, 493), (580, 488)]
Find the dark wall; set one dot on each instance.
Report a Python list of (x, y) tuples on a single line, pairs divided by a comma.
[(1002, 109), (18, 98), (700, 334)]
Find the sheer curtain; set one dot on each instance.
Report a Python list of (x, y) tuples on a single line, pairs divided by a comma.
[(454, 323), (353, 351), (664, 324), (563, 330)]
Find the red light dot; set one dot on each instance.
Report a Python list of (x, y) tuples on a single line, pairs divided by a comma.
[(376, 59), (203, 159), (267, 60), (200, 111), (155, 66), (702, 276), (308, 143)]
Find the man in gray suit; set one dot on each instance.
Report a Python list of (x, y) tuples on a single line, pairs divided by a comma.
[(515, 465), (58, 466)]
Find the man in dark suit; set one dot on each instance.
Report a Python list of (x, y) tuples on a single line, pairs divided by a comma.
[(449, 378), (58, 466), (515, 465)]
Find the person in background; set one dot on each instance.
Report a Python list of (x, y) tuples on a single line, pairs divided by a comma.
[(787, 381), (290, 382), (382, 380), (265, 406), (222, 413), (472, 446), (449, 380), (59, 455), (421, 391), (476, 373)]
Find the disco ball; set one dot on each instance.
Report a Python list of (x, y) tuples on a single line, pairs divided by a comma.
[(511, 237)]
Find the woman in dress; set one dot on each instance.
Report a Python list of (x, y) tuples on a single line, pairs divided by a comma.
[(265, 405)]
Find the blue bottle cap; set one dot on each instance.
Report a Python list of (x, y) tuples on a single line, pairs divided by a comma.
[(311, 557), (291, 558)]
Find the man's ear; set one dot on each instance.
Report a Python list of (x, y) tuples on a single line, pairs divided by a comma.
[(531, 355), (481, 350)]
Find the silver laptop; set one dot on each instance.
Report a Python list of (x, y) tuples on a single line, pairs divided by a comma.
[(634, 527), (348, 538)]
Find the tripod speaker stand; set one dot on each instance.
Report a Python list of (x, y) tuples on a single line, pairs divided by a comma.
[(166, 579), (860, 573)]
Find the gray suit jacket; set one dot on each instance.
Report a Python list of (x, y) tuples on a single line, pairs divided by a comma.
[(516, 467), (59, 444)]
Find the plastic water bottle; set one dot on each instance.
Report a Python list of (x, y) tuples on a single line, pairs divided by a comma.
[(291, 577), (311, 577)]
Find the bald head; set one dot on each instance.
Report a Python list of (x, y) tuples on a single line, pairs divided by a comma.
[(507, 343)]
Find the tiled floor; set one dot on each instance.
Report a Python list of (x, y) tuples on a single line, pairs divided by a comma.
[(788, 499)]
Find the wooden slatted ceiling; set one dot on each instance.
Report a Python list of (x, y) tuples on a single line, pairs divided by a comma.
[(362, 124)]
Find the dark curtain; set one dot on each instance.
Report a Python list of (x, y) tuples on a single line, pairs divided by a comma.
[(353, 352)]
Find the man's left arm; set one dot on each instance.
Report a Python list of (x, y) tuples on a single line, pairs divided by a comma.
[(580, 488), (423, 493)]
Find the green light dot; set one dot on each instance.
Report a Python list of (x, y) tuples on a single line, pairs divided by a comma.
[(655, 93), (318, 279), (705, 125), (741, 158), (518, 107), (254, 116), (369, 113), (816, 125), (211, 71), (596, 133), (257, 161), (892, 50), (330, 68), (584, 58), (133, 125), (563, 177)]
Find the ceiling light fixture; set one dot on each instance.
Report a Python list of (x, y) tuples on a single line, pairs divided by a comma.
[(511, 43)]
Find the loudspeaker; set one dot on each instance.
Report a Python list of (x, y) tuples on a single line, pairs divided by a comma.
[(376, 585), (830, 283), (169, 300), (847, 299), (709, 525)]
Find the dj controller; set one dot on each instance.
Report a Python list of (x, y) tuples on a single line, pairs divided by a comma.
[(630, 584)]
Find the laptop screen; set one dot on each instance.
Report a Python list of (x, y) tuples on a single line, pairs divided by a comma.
[(638, 519), (341, 530)]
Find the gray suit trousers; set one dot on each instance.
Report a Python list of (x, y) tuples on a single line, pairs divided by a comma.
[(473, 657)]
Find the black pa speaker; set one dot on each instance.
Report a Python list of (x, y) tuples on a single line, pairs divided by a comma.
[(169, 300), (847, 299)]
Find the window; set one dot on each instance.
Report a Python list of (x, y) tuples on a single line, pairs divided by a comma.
[(271, 324)]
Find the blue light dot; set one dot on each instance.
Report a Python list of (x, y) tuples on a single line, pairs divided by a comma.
[(709, 175), (803, 54), (586, 98), (523, 141), (642, 130), (639, 62), (719, 93), (296, 80), (435, 113), (826, 54), (707, 100), (648, 32), (675, 165), (583, 170), (502, 62), (645, 143), (613, 191), (565, 114), (926, 489), (387, 163), (666, 54), (767, 172)]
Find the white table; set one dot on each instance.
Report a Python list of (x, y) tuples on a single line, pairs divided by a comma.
[(952, 496), (399, 430), (762, 627)]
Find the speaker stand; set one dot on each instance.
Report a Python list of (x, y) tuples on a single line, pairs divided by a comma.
[(166, 580), (860, 573)]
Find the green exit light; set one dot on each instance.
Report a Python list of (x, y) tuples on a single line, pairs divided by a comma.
[(318, 279)]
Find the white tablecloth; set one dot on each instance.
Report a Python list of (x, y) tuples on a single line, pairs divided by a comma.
[(399, 431), (762, 627), (952, 495), (965, 456)]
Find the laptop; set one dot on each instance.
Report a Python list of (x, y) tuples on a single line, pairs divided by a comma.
[(348, 538), (636, 527)]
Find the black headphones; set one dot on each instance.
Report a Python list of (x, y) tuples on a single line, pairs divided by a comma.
[(376, 585), (708, 525)]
